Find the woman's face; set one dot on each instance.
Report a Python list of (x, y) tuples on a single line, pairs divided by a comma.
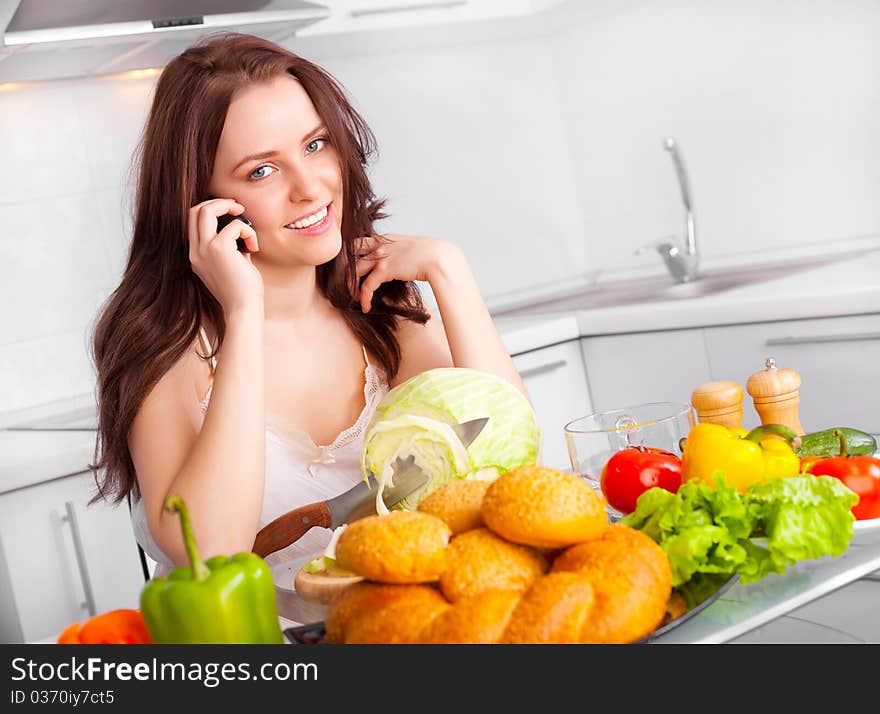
[(275, 158)]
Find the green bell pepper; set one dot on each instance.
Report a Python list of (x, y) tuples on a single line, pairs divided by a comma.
[(228, 600)]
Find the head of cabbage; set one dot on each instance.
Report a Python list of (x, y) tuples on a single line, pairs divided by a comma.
[(414, 418)]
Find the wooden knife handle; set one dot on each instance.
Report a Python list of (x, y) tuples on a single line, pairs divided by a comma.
[(290, 527)]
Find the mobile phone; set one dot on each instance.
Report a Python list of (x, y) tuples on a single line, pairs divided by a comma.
[(225, 220)]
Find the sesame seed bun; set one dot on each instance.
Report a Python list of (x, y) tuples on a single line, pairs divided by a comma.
[(457, 504), (543, 507), (480, 560), (400, 547)]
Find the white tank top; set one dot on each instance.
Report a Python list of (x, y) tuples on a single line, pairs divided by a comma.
[(298, 471)]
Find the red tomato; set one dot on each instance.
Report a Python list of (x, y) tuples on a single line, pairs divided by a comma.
[(807, 463), (632, 471), (860, 474)]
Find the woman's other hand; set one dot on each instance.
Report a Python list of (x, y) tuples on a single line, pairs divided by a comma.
[(397, 257), (228, 273), (471, 335)]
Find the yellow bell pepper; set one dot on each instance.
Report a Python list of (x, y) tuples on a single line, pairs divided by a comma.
[(779, 459), (743, 459)]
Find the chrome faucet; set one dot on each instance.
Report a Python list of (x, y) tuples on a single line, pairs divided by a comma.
[(681, 261)]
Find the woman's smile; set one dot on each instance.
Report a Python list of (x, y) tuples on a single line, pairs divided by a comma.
[(314, 223)]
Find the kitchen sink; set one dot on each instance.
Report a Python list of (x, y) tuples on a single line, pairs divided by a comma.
[(661, 288)]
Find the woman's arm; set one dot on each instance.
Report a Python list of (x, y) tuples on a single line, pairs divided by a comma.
[(217, 466), (472, 338)]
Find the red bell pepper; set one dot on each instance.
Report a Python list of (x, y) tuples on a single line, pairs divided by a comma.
[(860, 474), (115, 627)]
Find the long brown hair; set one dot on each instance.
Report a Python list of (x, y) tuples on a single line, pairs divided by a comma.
[(154, 315)]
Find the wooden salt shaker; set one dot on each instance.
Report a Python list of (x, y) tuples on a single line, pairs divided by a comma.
[(776, 394), (719, 403)]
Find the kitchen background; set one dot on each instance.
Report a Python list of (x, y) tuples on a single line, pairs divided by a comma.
[(532, 140), (530, 133)]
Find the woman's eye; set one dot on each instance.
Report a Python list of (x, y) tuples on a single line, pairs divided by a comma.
[(261, 172), (315, 145)]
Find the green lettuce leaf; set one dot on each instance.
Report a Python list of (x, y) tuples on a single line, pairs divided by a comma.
[(802, 517), (706, 529)]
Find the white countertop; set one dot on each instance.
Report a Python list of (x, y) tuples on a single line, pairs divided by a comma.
[(847, 287), (530, 332), (843, 287), (31, 457), (746, 607)]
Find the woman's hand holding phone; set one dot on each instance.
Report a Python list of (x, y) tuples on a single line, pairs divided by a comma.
[(228, 273)]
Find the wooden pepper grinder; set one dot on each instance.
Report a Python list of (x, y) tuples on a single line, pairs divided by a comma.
[(776, 394), (719, 403)]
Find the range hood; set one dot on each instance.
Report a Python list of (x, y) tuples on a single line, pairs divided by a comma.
[(53, 39)]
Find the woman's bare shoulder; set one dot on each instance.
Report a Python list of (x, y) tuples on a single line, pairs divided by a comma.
[(180, 389), (167, 424), (422, 347)]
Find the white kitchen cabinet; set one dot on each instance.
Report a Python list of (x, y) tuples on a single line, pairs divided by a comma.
[(838, 359), (61, 559), (556, 383), (624, 370)]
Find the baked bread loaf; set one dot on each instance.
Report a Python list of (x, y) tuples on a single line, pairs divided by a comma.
[(477, 620), (399, 623), (322, 585), (543, 507), (365, 599), (632, 581), (552, 611), (480, 560), (399, 547), (458, 504)]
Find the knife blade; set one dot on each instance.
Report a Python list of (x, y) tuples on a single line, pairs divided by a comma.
[(407, 478), (358, 502), (469, 430)]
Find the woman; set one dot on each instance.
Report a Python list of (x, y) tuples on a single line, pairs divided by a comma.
[(243, 380)]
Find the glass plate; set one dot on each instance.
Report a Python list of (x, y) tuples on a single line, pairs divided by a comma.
[(698, 594), (869, 524)]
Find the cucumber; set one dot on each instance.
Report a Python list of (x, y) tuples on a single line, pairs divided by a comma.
[(825, 443)]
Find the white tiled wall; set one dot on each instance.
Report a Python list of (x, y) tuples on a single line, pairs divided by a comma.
[(775, 107), (533, 142), (65, 149)]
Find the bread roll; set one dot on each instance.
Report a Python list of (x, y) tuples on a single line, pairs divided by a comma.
[(400, 547), (477, 620), (458, 504), (543, 507), (553, 611), (480, 560), (632, 581), (399, 623), (321, 586), (365, 599)]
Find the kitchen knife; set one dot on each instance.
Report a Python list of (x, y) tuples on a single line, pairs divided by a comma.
[(357, 502)]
